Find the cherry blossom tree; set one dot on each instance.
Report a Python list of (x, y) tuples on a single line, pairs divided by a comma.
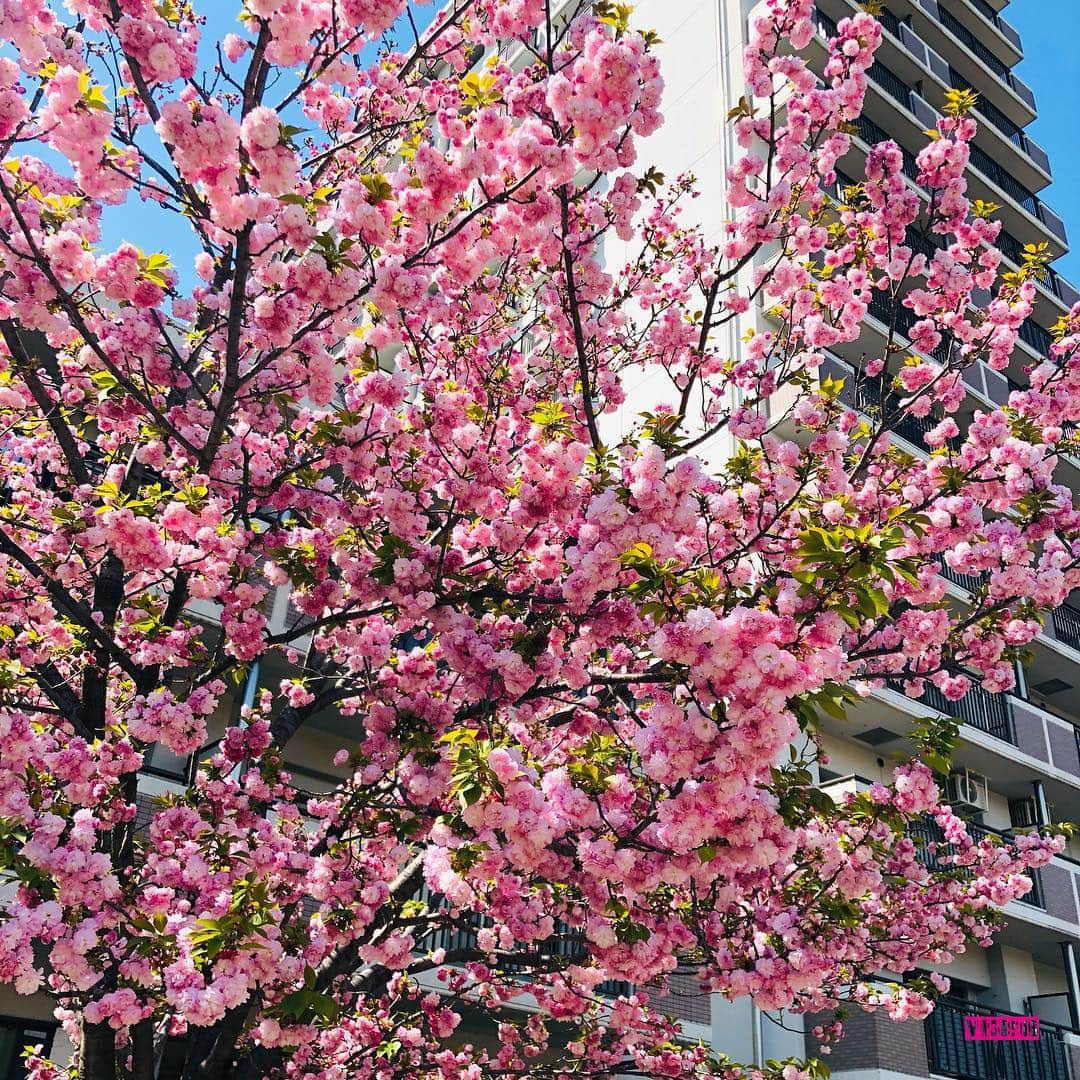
[(582, 670)]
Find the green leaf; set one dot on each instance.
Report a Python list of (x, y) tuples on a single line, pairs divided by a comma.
[(552, 416), (479, 90)]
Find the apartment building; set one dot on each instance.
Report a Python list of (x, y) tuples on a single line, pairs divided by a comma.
[(1018, 764), (1019, 761)]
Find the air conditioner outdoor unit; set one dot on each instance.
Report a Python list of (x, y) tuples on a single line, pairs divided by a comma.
[(968, 789)]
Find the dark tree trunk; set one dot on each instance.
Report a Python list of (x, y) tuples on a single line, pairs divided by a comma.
[(142, 1050), (98, 1057)]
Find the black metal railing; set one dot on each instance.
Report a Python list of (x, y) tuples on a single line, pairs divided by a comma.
[(1035, 897), (890, 82), (932, 850), (950, 1054), (987, 11), (565, 943), (893, 313), (968, 582), (1066, 622), (1007, 29), (930, 846), (998, 175), (1013, 250), (1039, 338), (872, 395), (991, 713), (871, 134), (1010, 247), (825, 24), (984, 53), (890, 22), (925, 243), (1009, 128)]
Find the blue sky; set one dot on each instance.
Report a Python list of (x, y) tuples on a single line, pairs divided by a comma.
[(153, 229), (1051, 67)]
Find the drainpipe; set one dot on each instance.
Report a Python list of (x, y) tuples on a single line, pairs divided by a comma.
[(1072, 980), (251, 686), (758, 1039), (1021, 681), (1042, 810)]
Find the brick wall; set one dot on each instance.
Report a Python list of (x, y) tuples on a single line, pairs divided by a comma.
[(1030, 736), (1063, 748), (1074, 1054), (1058, 892), (873, 1041), (686, 999)]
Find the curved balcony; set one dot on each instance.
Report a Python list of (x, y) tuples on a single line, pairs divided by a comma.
[(924, 116), (1000, 23), (954, 38)]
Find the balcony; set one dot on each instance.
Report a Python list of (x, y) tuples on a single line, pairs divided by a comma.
[(1037, 337), (976, 57), (565, 944), (871, 395), (968, 582), (872, 134), (1066, 622), (926, 831), (893, 314), (995, 172), (990, 713), (1052, 282), (926, 116), (991, 117), (967, 36), (950, 1054), (1009, 128), (1003, 26)]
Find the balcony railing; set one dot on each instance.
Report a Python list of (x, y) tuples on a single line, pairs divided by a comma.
[(1039, 338), (995, 172), (927, 834), (983, 52), (890, 22), (1003, 25), (1009, 128), (969, 582), (872, 134), (870, 394), (902, 319), (889, 81), (1061, 287), (950, 1054), (1036, 897), (899, 90), (565, 943), (991, 713), (1066, 622)]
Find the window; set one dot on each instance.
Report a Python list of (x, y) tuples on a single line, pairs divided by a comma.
[(15, 1036)]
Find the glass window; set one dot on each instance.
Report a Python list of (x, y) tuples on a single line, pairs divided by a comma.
[(15, 1036)]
